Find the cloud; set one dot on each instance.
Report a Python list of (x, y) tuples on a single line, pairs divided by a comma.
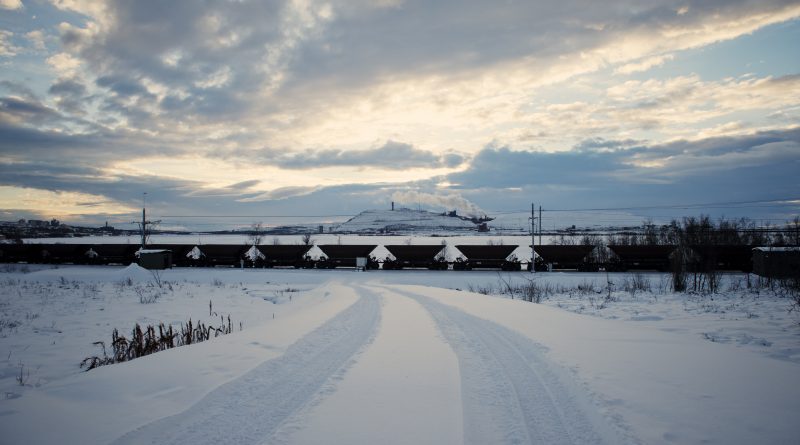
[(672, 108), (37, 39), (7, 49), (643, 65), (372, 91), (28, 110), (280, 194), (756, 166), (64, 64), (11, 4), (339, 66), (70, 95), (391, 155)]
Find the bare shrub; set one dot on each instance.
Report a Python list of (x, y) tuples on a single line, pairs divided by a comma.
[(146, 295), (533, 292), (23, 376), (735, 285), (678, 274), (663, 284), (145, 341), (480, 289), (587, 287), (157, 280), (636, 283)]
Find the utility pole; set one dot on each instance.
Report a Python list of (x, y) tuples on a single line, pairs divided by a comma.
[(144, 221), (540, 225), (533, 238)]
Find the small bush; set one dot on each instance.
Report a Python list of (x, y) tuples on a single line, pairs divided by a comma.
[(145, 341), (533, 292), (23, 376), (636, 283)]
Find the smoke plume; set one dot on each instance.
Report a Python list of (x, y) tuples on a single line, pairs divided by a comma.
[(452, 201)]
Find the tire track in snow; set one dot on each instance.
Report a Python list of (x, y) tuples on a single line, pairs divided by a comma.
[(252, 407), (510, 391)]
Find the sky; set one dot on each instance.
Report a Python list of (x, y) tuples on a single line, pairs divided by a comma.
[(315, 109)]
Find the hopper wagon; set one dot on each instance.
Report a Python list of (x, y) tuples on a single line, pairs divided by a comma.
[(284, 256), (626, 257), (213, 255), (721, 257), (415, 256), (565, 257), (346, 255), (487, 257)]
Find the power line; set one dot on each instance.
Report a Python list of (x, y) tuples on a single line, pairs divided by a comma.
[(731, 204), (255, 216)]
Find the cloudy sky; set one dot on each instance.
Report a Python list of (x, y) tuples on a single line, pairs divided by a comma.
[(327, 108)]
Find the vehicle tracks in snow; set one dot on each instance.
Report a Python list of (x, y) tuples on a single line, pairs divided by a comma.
[(511, 393), (251, 408)]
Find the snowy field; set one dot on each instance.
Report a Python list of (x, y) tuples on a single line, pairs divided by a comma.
[(406, 357)]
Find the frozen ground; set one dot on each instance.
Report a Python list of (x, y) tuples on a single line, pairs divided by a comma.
[(397, 357)]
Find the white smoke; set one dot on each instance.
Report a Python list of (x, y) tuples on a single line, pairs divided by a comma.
[(452, 201)]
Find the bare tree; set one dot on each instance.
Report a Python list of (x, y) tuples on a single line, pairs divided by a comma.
[(307, 239), (256, 234)]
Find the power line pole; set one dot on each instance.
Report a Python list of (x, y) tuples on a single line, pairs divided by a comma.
[(533, 238), (540, 225), (144, 220)]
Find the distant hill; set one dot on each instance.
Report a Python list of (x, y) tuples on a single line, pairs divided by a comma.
[(404, 221)]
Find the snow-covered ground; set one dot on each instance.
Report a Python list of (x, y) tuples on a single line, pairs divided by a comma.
[(339, 356)]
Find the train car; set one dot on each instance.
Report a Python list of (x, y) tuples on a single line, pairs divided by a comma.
[(565, 257), (657, 257), (56, 253), (112, 253), (415, 256), (13, 253), (290, 255), (213, 255), (722, 257), (346, 255), (179, 252), (487, 257), (777, 262)]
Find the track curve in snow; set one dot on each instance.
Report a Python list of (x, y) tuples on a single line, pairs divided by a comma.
[(251, 408), (511, 393)]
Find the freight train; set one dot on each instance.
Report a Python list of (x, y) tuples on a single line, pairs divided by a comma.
[(616, 258)]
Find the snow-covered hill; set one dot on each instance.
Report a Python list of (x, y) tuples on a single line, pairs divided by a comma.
[(404, 221)]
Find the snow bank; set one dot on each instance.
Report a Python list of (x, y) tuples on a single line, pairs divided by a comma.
[(135, 273), (100, 405), (661, 387)]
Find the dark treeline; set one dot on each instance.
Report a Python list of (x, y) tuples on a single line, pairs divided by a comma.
[(695, 231)]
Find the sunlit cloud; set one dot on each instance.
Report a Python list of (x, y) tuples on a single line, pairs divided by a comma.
[(300, 99), (7, 48), (60, 204), (11, 4)]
